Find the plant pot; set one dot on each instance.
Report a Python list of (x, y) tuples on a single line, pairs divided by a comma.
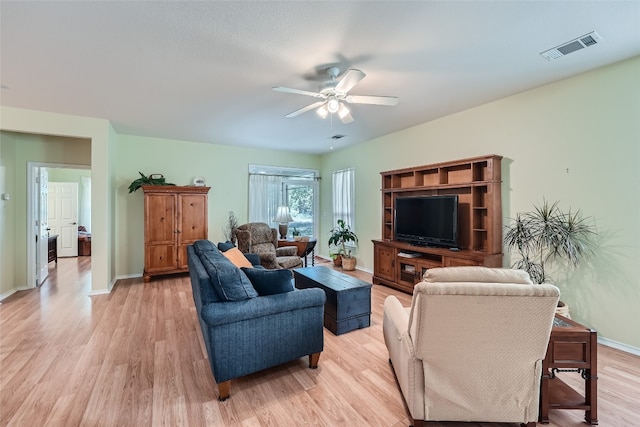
[(349, 263), (337, 261), (563, 309)]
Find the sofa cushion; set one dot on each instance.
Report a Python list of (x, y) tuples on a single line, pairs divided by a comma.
[(477, 274), (229, 281), (254, 259), (237, 258), (203, 290), (201, 246), (225, 246), (269, 282)]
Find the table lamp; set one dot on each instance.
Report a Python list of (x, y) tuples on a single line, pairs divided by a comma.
[(283, 217)]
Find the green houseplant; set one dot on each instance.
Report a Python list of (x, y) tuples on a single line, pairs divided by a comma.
[(340, 235), (546, 235), (153, 179)]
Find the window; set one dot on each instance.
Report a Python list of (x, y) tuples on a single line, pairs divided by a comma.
[(344, 196), (270, 187)]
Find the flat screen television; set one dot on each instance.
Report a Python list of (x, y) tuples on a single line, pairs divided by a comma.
[(427, 220)]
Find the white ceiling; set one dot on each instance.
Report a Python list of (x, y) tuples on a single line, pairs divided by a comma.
[(203, 71)]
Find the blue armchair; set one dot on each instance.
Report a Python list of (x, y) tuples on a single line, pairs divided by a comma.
[(245, 331)]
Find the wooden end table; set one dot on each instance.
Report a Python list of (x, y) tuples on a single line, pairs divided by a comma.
[(304, 248), (572, 348)]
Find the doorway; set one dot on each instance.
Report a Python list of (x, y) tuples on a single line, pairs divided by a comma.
[(40, 210)]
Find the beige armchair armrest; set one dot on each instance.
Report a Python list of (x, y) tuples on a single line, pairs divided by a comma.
[(408, 369), (396, 317)]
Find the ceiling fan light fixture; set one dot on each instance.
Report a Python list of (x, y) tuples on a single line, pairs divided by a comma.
[(333, 105), (322, 111), (343, 111)]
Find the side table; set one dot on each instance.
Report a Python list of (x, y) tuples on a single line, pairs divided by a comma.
[(572, 348), (304, 248)]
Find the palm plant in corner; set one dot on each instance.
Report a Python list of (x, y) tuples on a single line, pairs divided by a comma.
[(546, 235), (340, 235)]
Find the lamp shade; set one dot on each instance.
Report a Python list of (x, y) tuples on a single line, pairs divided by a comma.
[(283, 215)]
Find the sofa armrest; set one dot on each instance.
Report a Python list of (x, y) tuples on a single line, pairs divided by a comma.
[(287, 251), (222, 313)]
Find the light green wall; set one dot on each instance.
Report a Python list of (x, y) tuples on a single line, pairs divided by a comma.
[(102, 137), (577, 141), (40, 149), (7, 213), (224, 168)]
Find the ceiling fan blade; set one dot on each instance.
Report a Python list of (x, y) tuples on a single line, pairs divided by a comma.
[(344, 114), (298, 91), (305, 109), (349, 80), (375, 100)]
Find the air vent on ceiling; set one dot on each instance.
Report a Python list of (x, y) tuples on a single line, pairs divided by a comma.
[(571, 46), (338, 136)]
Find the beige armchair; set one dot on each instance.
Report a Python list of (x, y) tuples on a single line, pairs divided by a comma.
[(470, 347), (260, 239)]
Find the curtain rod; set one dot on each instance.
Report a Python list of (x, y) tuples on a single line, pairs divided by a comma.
[(306, 178), (345, 170)]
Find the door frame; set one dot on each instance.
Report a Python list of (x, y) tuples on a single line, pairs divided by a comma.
[(32, 213)]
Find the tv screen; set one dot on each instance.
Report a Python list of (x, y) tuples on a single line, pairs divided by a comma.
[(427, 220)]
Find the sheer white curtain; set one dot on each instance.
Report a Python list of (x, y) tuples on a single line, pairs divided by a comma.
[(344, 196), (265, 193), (85, 203)]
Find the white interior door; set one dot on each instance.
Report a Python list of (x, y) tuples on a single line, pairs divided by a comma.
[(42, 253), (63, 216)]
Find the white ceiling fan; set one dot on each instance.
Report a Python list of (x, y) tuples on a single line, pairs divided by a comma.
[(334, 93)]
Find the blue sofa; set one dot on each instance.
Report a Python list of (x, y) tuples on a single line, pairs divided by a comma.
[(245, 330)]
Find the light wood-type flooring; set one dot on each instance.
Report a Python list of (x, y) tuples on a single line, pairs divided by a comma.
[(135, 358)]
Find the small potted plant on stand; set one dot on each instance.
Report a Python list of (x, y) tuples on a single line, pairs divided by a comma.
[(547, 234), (340, 235)]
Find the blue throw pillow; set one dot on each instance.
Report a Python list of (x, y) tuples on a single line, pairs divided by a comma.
[(269, 282), (225, 246), (229, 281)]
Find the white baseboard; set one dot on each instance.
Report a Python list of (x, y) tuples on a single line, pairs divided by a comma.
[(113, 283), (366, 270), (619, 346), (8, 294)]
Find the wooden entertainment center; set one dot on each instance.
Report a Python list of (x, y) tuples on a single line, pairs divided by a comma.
[(477, 183)]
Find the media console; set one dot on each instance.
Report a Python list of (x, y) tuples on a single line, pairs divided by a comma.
[(477, 183)]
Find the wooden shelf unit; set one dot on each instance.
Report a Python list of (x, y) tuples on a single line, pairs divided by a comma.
[(477, 183)]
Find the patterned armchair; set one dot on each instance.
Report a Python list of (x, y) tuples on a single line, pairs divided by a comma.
[(260, 239)]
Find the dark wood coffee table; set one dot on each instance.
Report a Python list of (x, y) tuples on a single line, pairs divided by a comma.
[(348, 305)]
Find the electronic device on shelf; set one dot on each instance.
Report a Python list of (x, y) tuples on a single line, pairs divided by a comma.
[(427, 220), (409, 254)]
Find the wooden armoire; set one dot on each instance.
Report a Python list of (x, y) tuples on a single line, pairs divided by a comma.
[(174, 217)]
